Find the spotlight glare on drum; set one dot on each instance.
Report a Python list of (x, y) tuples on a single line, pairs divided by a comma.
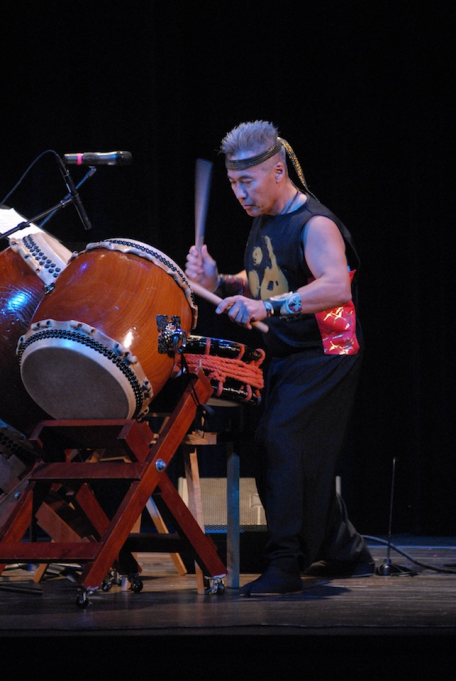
[(128, 339), (17, 301)]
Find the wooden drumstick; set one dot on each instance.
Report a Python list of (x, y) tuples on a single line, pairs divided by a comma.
[(212, 298), (202, 186)]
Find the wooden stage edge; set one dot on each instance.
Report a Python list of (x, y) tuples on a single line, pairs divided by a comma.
[(370, 628)]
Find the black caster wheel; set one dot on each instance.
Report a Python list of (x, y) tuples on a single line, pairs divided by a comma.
[(82, 601), (220, 589), (106, 586), (136, 585)]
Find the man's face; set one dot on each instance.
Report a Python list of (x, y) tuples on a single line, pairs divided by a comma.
[(255, 188)]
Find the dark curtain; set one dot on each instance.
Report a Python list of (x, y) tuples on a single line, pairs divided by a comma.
[(362, 91)]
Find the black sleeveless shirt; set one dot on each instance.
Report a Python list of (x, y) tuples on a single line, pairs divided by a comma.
[(275, 264)]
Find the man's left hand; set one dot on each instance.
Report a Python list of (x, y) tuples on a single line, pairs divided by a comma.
[(242, 310)]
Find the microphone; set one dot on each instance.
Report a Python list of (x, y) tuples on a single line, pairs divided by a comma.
[(110, 158), (74, 194)]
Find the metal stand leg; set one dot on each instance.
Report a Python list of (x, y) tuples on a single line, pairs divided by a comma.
[(233, 518)]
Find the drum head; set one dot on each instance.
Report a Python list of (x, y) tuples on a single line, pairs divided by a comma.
[(95, 389)]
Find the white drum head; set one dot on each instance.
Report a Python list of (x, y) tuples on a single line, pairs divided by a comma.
[(75, 385), (81, 374)]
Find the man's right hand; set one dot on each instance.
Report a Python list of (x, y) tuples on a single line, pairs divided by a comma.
[(202, 268)]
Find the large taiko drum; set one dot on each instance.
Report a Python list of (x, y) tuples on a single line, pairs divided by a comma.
[(95, 347), (28, 268)]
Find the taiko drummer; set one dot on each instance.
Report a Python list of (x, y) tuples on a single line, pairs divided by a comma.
[(300, 279)]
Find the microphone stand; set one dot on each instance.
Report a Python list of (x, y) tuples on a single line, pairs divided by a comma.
[(387, 569), (47, 214), (91, 171), (74, 193)]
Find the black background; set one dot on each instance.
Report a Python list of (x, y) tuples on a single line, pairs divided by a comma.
[(362, 91)]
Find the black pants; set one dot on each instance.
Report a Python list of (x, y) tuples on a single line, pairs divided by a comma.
[(307, 405)]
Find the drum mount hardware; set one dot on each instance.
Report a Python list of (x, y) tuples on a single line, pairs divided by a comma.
[(172, 339)]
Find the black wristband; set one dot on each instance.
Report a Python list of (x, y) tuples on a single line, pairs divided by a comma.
[(276, 306), (230, 285), (273, 307), (269, 308)]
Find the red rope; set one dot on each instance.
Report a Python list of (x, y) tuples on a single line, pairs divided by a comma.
[(220, 368)]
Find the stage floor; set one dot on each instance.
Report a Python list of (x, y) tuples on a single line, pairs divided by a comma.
[(340, 620)]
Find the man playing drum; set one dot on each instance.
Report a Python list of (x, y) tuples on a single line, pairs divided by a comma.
[(300, 278)]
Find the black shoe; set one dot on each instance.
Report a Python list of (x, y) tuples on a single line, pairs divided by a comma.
[(336, 569), (274, 582)]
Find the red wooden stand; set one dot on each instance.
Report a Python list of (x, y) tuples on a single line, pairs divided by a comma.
[(109, 543)]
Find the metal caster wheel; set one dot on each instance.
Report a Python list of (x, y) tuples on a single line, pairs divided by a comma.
[(215, 586), (116, 579), (112, 579)]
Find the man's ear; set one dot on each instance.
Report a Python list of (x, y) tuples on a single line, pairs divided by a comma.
[(279, 172)]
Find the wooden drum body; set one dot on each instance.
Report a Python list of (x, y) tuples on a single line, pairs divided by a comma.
[(92, 350), (28, 267)]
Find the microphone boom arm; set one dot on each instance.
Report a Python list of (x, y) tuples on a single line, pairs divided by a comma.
[(48, 214), (26, 223)]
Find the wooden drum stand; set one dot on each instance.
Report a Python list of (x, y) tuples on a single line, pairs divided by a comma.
[(136, 458)]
